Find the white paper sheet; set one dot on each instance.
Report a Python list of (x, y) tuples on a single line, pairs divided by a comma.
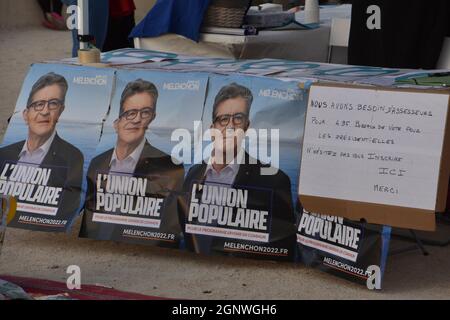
[(396, 158)]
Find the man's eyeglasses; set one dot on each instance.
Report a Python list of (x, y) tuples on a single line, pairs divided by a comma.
[(238, 119), (146, 113), (53, 104)]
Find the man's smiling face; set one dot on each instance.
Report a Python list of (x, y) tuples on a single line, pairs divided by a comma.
[(231, 120), (44, 111), (137, 113)]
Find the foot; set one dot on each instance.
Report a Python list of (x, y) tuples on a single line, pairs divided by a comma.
[(54, 21)]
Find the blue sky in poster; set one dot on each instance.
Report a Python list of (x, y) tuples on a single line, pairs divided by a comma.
[(180, 103), (87, 102), (277, 104), (86, 105), (87, 98)]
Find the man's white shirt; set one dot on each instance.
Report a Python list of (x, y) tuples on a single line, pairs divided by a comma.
[(228, 174), (37, 156), (127, 165)]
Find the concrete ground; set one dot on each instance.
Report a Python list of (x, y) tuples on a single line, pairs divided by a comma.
[(171, 273)]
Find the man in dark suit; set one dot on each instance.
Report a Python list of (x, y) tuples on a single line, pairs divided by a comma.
[(133, 156), (45, 149), (268, 188)]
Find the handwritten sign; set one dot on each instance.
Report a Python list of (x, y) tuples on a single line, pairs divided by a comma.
[(374, 146)]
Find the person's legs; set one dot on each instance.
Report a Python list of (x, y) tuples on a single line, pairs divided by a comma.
[(118, 30), (57, 6), (45, 6), (52, 14)]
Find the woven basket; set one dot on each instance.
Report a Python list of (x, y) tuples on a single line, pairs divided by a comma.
[(229, 14)]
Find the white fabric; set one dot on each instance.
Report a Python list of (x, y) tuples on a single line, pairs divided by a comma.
[(328, 12), (303, 45), (36, 157)]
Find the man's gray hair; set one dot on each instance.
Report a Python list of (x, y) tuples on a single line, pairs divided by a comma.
[(47, 80), (232, 91), (136, 87)]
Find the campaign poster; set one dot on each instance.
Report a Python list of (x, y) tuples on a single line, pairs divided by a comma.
[(239, 199), (52, 134), (356, 251), (136, 176)]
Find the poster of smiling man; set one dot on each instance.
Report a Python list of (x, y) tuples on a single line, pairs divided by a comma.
[(239, 200), (134, 180), (48, 141)]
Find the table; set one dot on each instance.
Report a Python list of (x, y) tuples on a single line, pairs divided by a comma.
[(305, 45)]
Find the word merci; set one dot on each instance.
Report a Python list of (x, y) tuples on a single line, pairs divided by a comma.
[(218, 204), (29, 184), (126, 195), (329, 228)]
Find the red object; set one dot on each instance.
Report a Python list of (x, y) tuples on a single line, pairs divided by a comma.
[(49, 25), (38, 287), (121, 8)]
